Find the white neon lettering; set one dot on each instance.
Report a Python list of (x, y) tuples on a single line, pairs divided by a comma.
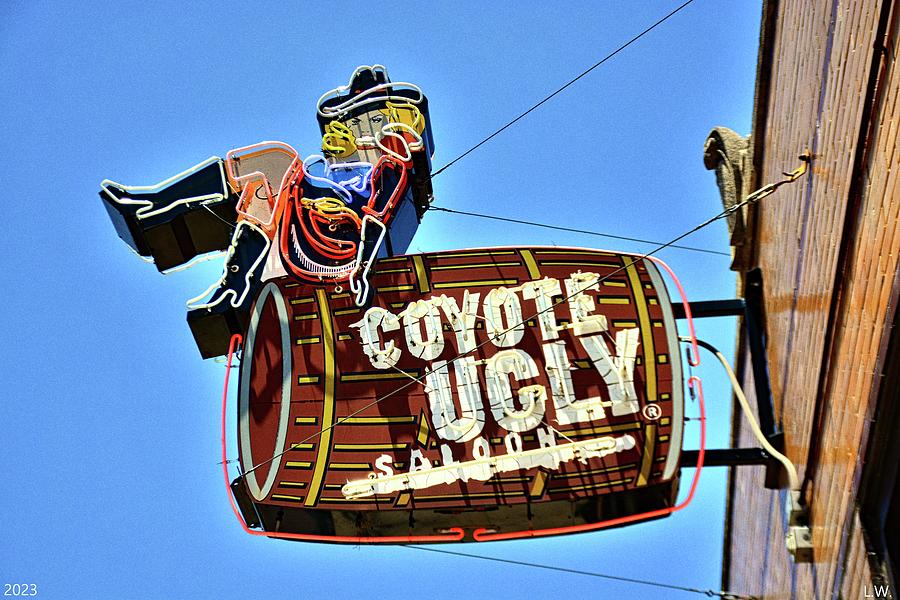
[(513, 443), (532, 397), (542, 292), (418, 462), (480, 448), (432, 345), (483, 466), (375, 317), (503, 332), (518, 404), (447, 423), (617, 370), (546, 437), (569, 410), (462, 321), (383, 463), (582, 306), (447, 455)]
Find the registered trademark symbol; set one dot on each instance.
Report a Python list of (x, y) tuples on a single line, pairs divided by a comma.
[(652, 412)]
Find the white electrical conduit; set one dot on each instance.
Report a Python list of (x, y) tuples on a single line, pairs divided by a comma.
[(789, 467)]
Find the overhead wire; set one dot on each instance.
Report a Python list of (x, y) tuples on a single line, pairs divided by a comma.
[(670, 586), (572, 230), (538, 105), (559, 90)]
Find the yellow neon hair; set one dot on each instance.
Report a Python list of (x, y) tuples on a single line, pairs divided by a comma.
[(338, 140), (405, 113)]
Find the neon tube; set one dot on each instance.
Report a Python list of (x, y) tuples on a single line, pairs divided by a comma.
[(455, 534)]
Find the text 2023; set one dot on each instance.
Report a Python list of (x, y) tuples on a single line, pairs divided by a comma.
[(20, 589)]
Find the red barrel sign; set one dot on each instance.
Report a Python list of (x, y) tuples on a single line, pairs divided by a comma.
[(485, 392)]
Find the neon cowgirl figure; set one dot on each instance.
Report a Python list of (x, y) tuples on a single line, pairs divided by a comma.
[(322, 220)]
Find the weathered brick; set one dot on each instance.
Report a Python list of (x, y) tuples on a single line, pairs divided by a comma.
[(797, 244)]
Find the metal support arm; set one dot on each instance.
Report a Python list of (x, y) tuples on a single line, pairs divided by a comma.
[(728, 457), (751, 308)]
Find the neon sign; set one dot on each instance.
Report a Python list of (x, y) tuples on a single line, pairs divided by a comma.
[(465, 395), (322, 220), (494, 381)]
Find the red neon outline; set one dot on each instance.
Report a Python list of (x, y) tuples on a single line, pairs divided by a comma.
[(242, 183), (392, 144), (480, 534), (385, 214), (284, 241), (457, 535), (290, 204), (694, 356), (334, 250)]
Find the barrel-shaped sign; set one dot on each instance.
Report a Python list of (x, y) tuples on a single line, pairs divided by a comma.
[(483, 392)]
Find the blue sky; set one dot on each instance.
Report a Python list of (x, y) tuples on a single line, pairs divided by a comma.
[(110, 418)]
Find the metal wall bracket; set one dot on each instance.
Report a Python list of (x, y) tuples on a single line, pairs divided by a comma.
[(799, 536)]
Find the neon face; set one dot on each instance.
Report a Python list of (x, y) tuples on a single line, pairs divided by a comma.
[(361, 176)]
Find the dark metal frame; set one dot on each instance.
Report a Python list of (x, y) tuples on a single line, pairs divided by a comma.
[(751, 309)]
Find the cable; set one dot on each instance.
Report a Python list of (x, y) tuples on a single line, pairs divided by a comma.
[(669, 586), (793, 479), (569, 83), (230, 225), (572, 230), (752, 198)]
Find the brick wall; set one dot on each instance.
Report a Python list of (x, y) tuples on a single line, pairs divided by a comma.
[(837, 224)]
